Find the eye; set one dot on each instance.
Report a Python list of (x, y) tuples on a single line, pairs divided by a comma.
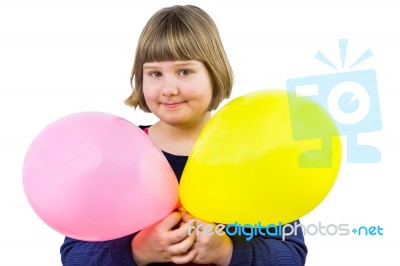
[(154, 74), (185, 72)]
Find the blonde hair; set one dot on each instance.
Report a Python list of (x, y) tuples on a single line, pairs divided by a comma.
[(182, 33)]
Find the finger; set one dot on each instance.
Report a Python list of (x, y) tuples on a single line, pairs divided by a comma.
[(185, 230), (170, 221), (185, 215), (178, 204), (182, 247), (203, 221), (186, 258)]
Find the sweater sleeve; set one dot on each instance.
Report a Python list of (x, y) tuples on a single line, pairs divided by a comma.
[(114, 252), (271, 250)]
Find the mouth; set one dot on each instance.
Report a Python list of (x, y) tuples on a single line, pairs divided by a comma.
[(172, 105)]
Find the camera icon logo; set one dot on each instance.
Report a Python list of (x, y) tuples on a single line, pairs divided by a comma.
[(351, 98)]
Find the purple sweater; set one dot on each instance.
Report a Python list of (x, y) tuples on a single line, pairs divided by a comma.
[(260, 250)]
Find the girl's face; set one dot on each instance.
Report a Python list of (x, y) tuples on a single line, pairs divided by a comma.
[(177, 92)]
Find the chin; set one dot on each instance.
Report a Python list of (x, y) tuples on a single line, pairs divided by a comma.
[(176, 122)]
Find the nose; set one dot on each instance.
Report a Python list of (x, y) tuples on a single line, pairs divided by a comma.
[(170, 87)]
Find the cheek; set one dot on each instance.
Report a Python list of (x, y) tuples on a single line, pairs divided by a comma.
[(148, 92), (209, 94), (207, 97), (202, 92), (149, 98)]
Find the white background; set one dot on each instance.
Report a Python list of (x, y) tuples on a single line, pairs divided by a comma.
[(58, 57)]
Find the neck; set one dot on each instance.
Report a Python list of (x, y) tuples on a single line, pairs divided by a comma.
[(177, 139), (183, 131)]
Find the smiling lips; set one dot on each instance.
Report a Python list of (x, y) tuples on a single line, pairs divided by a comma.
[(172, 105)]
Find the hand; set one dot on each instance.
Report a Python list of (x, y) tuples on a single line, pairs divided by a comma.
[(211, 243), (161, 242)]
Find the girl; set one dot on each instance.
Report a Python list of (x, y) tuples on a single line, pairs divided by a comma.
[(181, 73)]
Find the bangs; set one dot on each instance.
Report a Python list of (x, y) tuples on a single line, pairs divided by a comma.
[(172, 40)]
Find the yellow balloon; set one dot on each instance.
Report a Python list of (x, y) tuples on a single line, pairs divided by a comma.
[(268, 156)]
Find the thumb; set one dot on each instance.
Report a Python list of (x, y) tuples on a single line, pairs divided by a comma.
[(170, 221)]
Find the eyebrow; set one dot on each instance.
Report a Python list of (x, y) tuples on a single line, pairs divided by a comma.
[(183, 64)]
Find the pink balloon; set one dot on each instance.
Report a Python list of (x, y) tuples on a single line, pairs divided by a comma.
[(95, 176)]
